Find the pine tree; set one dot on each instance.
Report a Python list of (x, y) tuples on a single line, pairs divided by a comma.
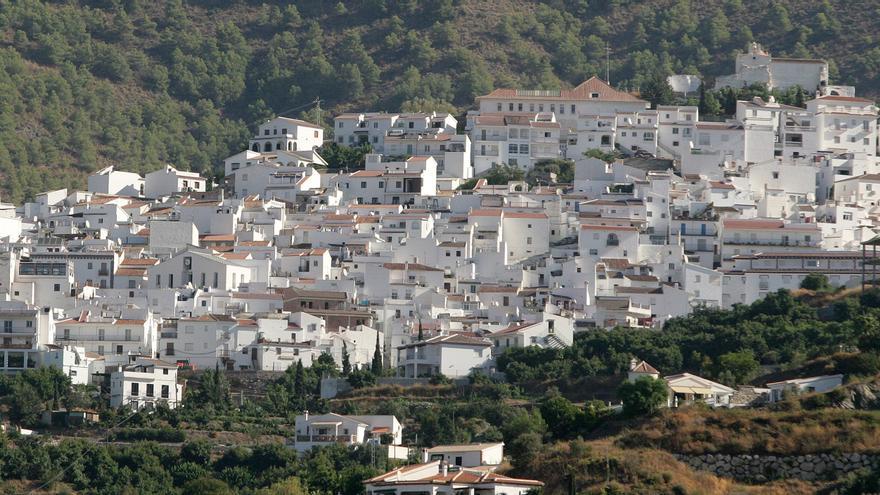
[(376, 367), (346, 361)]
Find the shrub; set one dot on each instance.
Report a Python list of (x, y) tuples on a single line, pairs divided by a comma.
[(148, 434), (816, 282), (643, 396)]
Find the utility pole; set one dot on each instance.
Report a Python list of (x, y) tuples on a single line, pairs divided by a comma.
[(318, 110)]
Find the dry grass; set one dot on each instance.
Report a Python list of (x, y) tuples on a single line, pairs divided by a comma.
[(598, 464), (697, 431)]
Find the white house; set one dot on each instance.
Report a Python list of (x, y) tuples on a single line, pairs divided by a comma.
[(453, 356), (131, 332), (329, 429), (813, 384), (685, 388), (553, 332), (468, 455), (198, 268), (286, 134), (168, 180), (439, 478), (145, 384), (116, 182)]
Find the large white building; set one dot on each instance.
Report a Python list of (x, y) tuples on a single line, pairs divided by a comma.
[(757, 67)]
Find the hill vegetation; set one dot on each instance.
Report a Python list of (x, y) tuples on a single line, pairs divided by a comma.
[(547, 431), (86, 84)]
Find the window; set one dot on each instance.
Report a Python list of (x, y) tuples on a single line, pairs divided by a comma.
[(528, 240), (150, 390), (57, 287), (165, 388), (135, 389), (775, 175)]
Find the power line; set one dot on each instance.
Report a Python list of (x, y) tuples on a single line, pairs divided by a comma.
[(82, 454), (316, 101)]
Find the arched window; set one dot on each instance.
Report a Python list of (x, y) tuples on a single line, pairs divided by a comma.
[(267, 147), (290, 146), (256, 147), (294, 146), (612, 240)]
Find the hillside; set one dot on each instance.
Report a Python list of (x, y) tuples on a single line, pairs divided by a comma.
[(86, 84)]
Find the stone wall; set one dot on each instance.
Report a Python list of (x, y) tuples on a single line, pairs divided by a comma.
[(762, 468)]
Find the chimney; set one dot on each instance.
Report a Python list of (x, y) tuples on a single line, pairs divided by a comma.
[(444, 467), (306, 414), (424, 455)]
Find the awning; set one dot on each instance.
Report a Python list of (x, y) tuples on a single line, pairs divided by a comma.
[(691, 390)]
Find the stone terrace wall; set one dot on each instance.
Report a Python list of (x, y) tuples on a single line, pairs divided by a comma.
[(762, 468)]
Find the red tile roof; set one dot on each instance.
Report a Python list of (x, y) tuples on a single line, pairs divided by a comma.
[(583, 91)]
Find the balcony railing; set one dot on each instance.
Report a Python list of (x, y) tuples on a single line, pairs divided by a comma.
[(326, 438)]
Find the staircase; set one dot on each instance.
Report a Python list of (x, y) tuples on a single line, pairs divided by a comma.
[(553, 342)]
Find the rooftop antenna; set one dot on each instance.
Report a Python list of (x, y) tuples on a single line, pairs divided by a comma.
[(607, 63)]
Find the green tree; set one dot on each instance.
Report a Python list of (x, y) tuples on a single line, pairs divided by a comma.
[(361, 378), (709, 104), (605, 156), (816, 282), (206, 486), (346, 360), (197, 452), (741, 365), (503, 174), (290, 486), (377, 366), (658, 91), (643, 396), (563, 417)]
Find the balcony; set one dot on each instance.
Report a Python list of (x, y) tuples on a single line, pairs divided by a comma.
[(326, 438), (612, 242), (103, 272), (771, 242), (798, 127)]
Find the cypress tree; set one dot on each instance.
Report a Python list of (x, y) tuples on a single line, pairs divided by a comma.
[(376, 367), (346, 360)]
